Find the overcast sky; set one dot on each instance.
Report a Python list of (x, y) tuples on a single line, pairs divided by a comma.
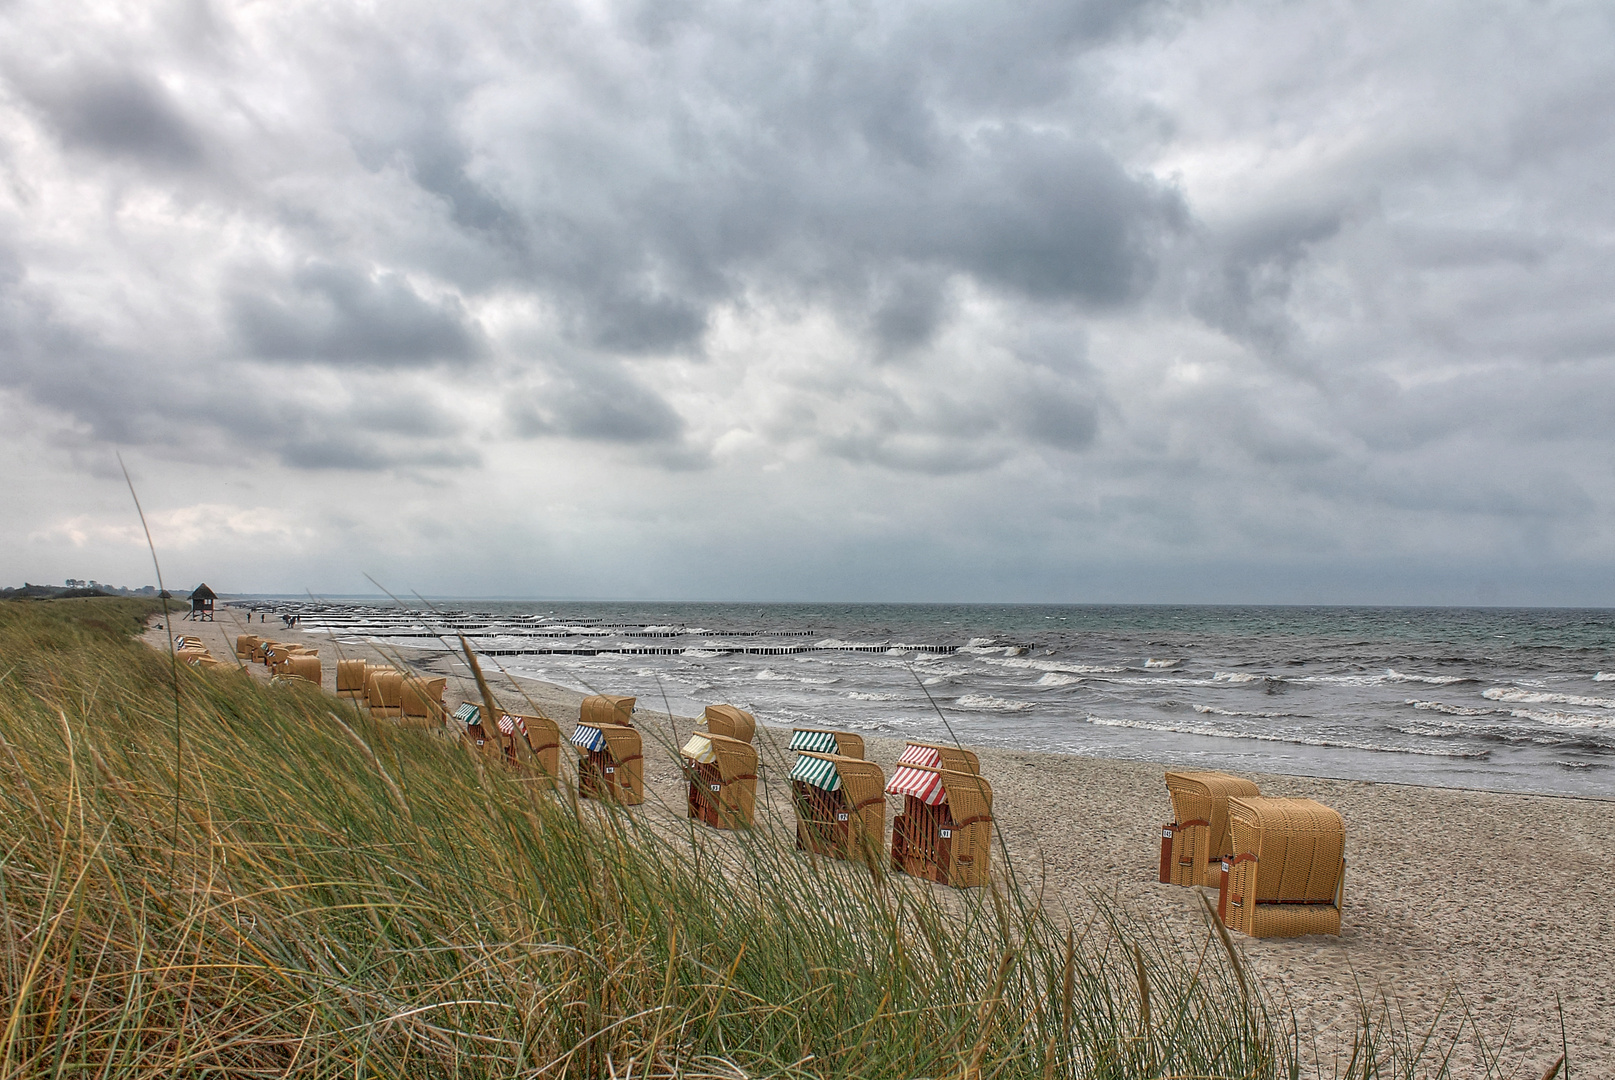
[(1040, 301)]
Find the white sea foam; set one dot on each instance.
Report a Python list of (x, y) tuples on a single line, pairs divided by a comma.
[(1222, 733), (859, 695), (770, 675), (1162, 663), (1052, 665), (1213, 710), (987, 702), (1444, 707), (1542, 697), (1391, 676), (1553, 718), (1604, 676), (1055, 678), (1236, 677), (701, 654)]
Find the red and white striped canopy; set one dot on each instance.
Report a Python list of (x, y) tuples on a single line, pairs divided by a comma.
[(921, 755), (923, 785), (508, 724)]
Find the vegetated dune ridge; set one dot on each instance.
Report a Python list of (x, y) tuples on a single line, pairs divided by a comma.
[(1502, 897)]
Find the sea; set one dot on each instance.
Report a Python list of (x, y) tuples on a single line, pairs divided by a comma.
[(1486, 698)]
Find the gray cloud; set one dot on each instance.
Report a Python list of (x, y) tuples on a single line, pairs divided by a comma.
[(118, 113)]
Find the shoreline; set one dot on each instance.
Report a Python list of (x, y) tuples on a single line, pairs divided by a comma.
[(1481, 890)]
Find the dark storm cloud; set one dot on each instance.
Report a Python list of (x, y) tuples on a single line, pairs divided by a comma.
[(340, 315), (597, 402), (114, 112)]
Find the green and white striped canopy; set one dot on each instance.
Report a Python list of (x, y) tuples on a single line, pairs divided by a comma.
[(816, 771), (820, 742)]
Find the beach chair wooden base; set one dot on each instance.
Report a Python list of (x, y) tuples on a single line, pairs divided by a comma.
[(384, 712), (603, 777), (823, 821), (927, 843)]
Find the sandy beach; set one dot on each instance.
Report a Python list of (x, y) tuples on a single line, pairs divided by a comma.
[(1503, 897)]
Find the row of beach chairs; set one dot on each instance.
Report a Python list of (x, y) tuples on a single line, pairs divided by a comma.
[(1278, 864)]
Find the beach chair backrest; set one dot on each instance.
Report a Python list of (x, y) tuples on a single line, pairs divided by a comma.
[(384, 688), (600, 710), (350, 675), (731, 722), (304, 667), (1298, 845), (1203, 796), (422, 697), (735, 758)]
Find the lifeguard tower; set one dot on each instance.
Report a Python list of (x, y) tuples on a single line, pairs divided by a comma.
[(202, 604)]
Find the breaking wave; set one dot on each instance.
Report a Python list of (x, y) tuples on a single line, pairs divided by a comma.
[(1538, 697), (1339, 744), (988, 703)]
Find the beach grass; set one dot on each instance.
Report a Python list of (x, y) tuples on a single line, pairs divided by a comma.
[(206, 875)]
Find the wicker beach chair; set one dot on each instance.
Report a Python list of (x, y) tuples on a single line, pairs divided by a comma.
[(722, 777), (350, 675), (611, 762), (420, 701), (840, 806), (246, 646), (384, 690), (821, 741), (298, 666), (532, 744), (1287, 874), (730, 722), (1193, 845), (944, 833)]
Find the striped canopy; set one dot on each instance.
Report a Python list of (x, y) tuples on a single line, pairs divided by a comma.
[(923, 785), (820, 742), (921, 755), (468, 713), (509, 725), (587, 737), (816, 771), (699, 749)]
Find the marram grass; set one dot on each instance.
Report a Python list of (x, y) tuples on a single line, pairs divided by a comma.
[(283, 888)]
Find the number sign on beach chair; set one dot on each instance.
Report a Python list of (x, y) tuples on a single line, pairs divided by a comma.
[(1287, 874), (840, 806), (611, 764), (1193, 845), (944, 833)]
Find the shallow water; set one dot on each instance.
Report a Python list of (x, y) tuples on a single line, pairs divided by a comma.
[(1520, 700)]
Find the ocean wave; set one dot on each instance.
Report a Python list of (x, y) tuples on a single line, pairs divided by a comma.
[(701, 654), (1542, 697), (859, 695), (1450, 710), (1056, 678), (1222, 733), (1236, 677), (1391, 675), (986, 702), (770, 675), (1604, 676), (1053, 665), (1563, 719), (1213, 710), (1162, 663)]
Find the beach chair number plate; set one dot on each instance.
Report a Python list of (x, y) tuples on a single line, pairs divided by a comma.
[(715, 787), (841, 817), (611, 768), (946, 834)]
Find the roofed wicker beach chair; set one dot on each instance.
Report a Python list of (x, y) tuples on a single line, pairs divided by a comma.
[(945, 831), (246, 646), (350, 675), (383, 691), (819, 741), (611, 763), (722, 777), (420, 701), (840, 805), (298, 666), (1193, 845), (1287, 874), (531, 743), (730, 722)]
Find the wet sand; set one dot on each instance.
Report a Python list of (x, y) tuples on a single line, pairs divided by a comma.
[(1504, 897)]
